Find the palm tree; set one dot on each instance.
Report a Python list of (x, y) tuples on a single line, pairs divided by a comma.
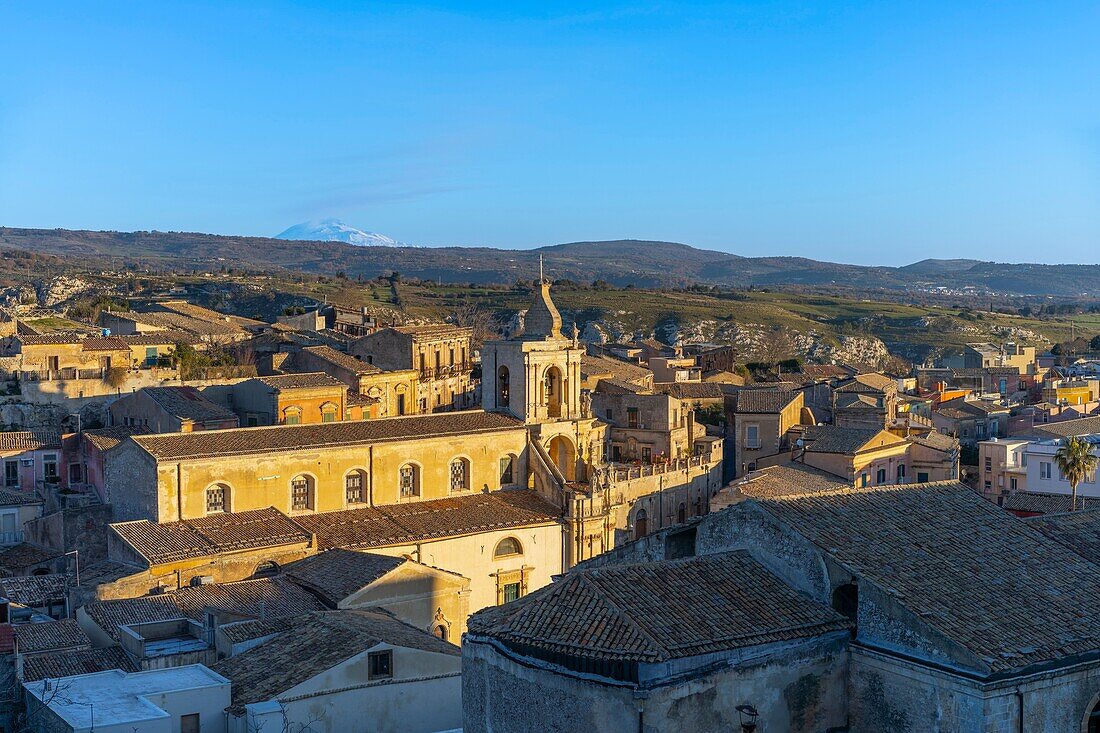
[(1076, 461)]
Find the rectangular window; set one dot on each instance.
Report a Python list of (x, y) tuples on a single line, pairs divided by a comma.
[(452, 357), (354, 485), (1023, 460), (458, 475), (752, 437), (300, 498), (49, 467), (215, 500), (11, 473), (76, 473), (632, 417), (328, 416), (647, 454), (1012, 483), (989, 464), (1044, 470), (380, 665), (511, 592), (293, 418), (400, 404), (505, 471), (408, 481), (922, 477)]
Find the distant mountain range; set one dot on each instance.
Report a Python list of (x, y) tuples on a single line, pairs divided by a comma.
[(334, 230), (621, 262)]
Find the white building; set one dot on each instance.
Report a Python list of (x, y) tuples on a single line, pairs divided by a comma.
[(190, 699)]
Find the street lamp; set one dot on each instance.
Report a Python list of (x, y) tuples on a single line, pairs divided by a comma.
[(748, 716)]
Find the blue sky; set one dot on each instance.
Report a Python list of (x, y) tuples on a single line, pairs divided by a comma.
[(874, 132)]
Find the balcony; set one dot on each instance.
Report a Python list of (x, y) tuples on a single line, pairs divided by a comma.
[(11, 538), (443, 372)]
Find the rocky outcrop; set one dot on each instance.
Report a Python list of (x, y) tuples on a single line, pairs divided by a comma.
[(61, 289)]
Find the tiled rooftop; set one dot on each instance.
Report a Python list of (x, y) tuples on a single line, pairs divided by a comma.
[(34, 590), (188, 403), (453, 517), (190, 538), (105, 439), (320, 642), (595, 366), (342, 360), (789, 479), (762, 400), (261, 597), (848, 441), (1079, 530), (1041, 503), (872, 382), (305, 380), (337, 573), (18, 442), (657, 612), (42, 637), (246, 441), (985, 579), (25, 554), (13, 497), (1069, 428), (53, 665), (431, 331)]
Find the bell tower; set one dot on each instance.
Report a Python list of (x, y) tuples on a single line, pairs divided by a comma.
[(535, 376)]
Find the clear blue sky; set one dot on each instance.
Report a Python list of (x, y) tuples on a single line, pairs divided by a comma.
[(861, 132)]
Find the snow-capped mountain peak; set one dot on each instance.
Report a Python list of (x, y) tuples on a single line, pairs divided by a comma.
[(334, 230)]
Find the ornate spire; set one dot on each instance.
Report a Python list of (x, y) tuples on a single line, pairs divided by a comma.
[(543, 319)]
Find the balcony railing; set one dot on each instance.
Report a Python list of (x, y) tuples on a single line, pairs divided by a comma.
[(623, 472), (11, 538), (442, 372)]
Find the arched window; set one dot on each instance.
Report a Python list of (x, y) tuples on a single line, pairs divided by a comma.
[(502, 387), (681, 513), (1094, 718), (901, 473), (302, 493), (507, 547), (880, 476), (292, 416), (507, 470), (440, 631), (460, 474), (355, 487), (328, 412), (409, 479), (641, 524), (217, 499)]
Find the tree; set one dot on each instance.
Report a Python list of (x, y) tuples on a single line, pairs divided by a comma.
[(1076, 461), (1095, 343)]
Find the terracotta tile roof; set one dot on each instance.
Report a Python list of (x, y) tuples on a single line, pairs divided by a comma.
[(983, 578), (34, 590), (935, 441), (107, 571), (337, 573), (104, 439), (1069, 428), (618, 386), (109, 615), (693, 390), (246, 441), (304, 380), (267, 597), (25, 554), (858, 401), (104, 343), (28, 440), (789, 479), (848, 441), (42, 637), (657, 612), (180, 322), (399, 524), (1079, 530), (354, 398), (342, 360), (261, 597), (211, 535), (596, 366), (762, 400), (872, 382), (1039, 503), (48, 339), (69, 663), (11, 497), (320, 642), (187, 403), (961, 408), (159, 338)]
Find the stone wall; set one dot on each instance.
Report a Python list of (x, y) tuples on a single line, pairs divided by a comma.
[(795, 687)]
